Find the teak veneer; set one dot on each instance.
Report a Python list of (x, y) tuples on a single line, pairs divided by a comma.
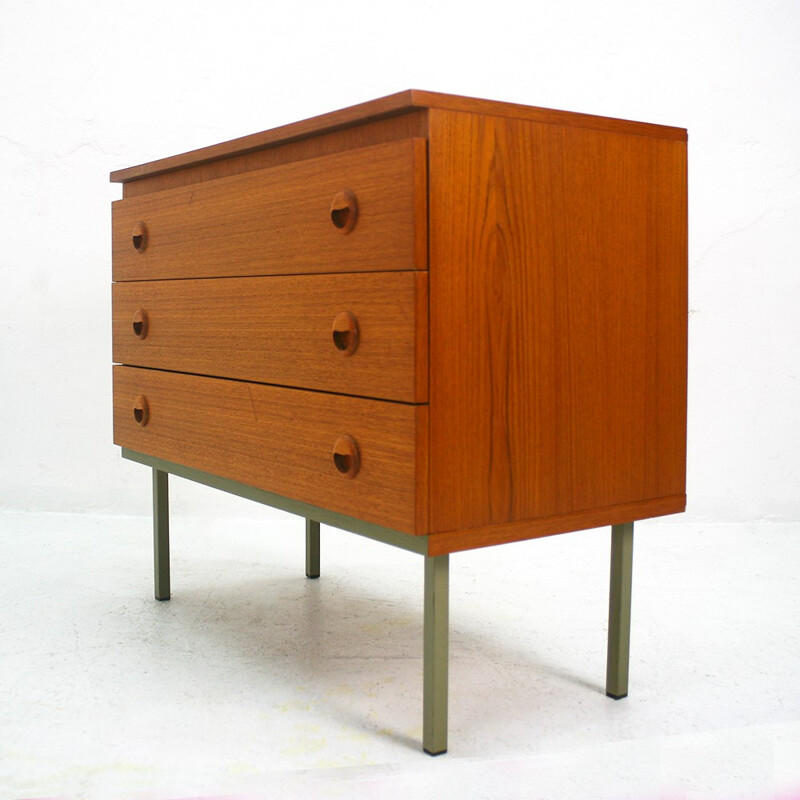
[(442, 322)]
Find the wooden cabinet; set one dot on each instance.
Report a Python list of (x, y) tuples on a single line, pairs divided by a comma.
[(457, 321)]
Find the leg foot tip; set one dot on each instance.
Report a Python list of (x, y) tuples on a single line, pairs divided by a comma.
[(312, 577), (616, 696), (437, 753)]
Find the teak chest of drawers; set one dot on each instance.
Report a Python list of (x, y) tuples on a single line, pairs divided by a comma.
[(441, 322)]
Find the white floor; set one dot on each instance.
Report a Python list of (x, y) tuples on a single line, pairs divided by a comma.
[(255, 682)]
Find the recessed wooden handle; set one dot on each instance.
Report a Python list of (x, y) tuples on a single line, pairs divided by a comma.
[(140, 323), (346, 457), (344, 211), (345, 333), (141, 410), (139, 237)]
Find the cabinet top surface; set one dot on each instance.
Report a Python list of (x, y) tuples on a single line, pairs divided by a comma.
[(391, 105)]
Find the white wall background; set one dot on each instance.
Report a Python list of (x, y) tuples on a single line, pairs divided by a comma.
[(87, 87)]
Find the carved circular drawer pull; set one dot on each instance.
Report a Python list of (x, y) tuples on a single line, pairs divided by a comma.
[(345, 333), (139, 237), (140, 323), (344, 211), (141, 410), (346, 457)]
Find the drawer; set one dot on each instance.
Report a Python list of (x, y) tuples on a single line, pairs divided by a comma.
[(299, 444), (361, 210), (362, 334)]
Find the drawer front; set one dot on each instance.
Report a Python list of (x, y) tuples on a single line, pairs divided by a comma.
[(360, 334), (361, 210), (303, 445)]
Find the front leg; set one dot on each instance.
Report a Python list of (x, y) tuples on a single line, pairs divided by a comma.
[(435, 655), (619, 613)]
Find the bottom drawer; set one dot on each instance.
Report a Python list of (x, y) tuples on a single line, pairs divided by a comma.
[(364, 458)]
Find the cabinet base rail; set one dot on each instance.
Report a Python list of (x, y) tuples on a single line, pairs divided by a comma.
[(436, 584)]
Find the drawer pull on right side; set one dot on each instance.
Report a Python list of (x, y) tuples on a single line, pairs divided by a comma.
[(140, 323), (344, 211), (139, 237), (141, 410), (346, 457), (345, 333)]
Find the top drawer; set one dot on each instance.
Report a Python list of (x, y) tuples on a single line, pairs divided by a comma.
[(360, 210)]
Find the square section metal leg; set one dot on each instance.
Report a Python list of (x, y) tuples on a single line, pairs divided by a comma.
[(312, 549), (435, 655), (161, 533), (619, 613)]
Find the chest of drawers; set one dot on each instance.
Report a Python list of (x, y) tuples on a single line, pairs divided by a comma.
[(441, 322)]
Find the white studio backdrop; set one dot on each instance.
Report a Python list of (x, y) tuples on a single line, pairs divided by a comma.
[(87, 87)]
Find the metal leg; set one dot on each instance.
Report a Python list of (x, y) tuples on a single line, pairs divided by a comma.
[(312, 548), (435, 655), (619, 613), (161, 533)]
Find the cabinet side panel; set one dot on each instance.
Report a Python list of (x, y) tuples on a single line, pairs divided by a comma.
[(557, 319)]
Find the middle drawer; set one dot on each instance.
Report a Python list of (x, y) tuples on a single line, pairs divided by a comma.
[(360, 334)]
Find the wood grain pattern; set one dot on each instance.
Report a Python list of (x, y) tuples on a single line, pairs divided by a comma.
[(410, 125), (390, 106), (277, 221), (279, 439), (549, 335), (557, 319), (279, 330), (490, 535)]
